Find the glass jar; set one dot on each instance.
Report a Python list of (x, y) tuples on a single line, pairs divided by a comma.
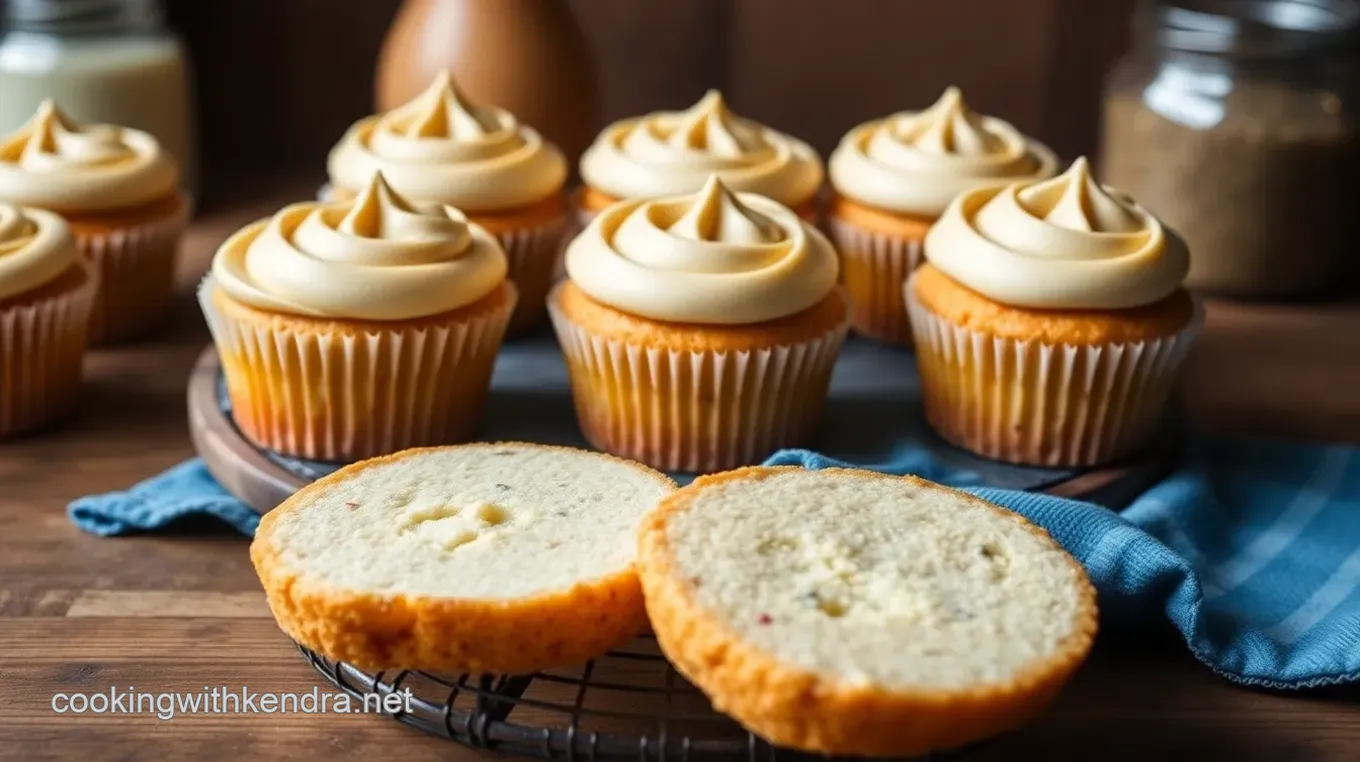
[(1238, 123), (102, 61)]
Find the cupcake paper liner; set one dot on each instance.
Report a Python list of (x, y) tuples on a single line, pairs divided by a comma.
[(580, 212), (42, 345), (874, 266), (695, 411), (136, 267), (1044, 404), (535, 256), (350, 396)]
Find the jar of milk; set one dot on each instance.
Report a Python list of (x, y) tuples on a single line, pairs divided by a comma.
[(103, 61)]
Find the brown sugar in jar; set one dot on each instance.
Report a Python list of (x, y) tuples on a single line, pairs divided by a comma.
[(1239, 125)]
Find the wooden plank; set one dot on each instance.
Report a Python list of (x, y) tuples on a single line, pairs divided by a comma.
[(1180, 708), (169, 604)]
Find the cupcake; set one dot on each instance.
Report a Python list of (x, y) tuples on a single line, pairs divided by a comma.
[(46, 293), (442, 149), (355, 328), (893, 178), (119, 192), (1050, 322), (674, 153), (699, 330)]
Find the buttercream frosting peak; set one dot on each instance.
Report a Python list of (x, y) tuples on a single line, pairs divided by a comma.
[(376, 257), (53, 162), (1065, 243), (949, 127), (716, 214), (379, 212), (36, 246), (1074, 200), (443, 111), (54, 141), (42, 136), (671, 153), (915, 162), (709, 126), (441, 147), (713, 257)]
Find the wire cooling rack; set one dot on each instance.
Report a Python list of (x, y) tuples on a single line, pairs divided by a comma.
[(627, 705)]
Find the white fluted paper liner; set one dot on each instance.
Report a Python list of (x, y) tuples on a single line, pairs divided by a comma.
[(704, 411), (535, 257), (42, 345), (349, 396), (874, 266), (136, 266), (1043, 404)]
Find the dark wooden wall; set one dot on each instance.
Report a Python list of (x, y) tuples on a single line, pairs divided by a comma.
[(279, 80)]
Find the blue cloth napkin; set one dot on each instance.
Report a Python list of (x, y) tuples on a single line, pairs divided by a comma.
[(1252, 550), (185, 491)]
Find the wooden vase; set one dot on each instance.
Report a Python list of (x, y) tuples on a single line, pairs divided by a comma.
[(526, 56)]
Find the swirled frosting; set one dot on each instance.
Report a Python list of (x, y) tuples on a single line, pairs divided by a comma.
[(1064, 243), (916, 162), (441, 148), (673, 153), (377, 257), (714, 257), (54, 163), (36, 247)]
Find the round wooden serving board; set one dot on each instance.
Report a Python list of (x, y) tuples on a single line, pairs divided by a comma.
[(872, 408)]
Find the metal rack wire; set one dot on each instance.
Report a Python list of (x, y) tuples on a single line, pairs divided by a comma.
[(628, 705)]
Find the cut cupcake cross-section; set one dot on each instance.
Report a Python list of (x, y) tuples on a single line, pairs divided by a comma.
[(852, 613), (501, 558)]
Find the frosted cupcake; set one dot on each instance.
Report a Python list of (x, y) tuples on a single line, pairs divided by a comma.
[(699, 330), (356, 328), (46, 294), (673, 153), (893, 178), (441, 148), (119, 192), (1050, 322)]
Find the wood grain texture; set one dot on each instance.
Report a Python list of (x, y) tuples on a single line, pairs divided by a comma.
[(181, 610)]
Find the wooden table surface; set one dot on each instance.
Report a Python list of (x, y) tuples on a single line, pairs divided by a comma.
[(177, 612)]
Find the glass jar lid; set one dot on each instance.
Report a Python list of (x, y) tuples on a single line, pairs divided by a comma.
[(1253, 28)]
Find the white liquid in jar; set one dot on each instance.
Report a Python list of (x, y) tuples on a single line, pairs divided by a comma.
[(140, 82)]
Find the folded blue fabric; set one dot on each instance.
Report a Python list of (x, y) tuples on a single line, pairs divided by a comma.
[(1252, 550), (183, 492)]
